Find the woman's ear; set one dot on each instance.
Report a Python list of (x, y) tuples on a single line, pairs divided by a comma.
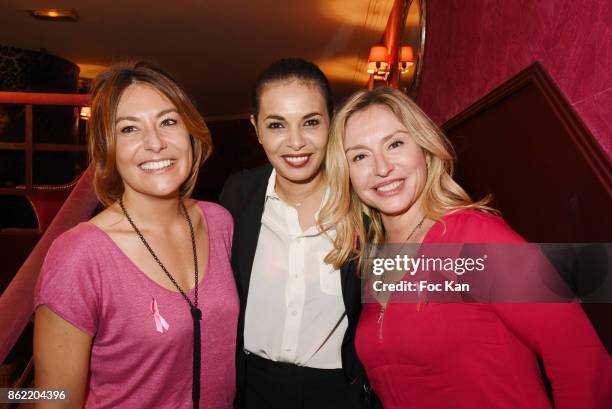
[(254, 123)]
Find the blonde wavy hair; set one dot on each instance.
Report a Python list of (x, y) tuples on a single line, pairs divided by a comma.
[(358, 224)]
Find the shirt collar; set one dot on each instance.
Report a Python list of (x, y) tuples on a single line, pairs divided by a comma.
[(271, 194), (270, 189)]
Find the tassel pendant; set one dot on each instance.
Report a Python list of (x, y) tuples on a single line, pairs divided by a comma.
[(196, 314)]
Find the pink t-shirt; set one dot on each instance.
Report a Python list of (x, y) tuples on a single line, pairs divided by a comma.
[(135, 363)]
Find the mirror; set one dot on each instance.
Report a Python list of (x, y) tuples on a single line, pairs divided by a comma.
[(414, 36)]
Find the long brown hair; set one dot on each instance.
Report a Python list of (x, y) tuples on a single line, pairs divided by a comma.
[(107, 90)]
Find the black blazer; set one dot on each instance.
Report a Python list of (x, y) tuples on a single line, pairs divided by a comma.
[(244, 196)]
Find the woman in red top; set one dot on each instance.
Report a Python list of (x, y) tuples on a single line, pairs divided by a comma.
[(443, 355)]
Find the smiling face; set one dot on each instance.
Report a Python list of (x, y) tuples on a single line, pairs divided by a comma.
[(153, 148), (292, 127), (387, 168)]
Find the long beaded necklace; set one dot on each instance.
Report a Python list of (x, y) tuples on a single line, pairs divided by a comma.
[(383, 307), (196, 313)]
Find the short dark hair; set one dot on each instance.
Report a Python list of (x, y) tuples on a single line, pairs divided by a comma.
[(287, 69)]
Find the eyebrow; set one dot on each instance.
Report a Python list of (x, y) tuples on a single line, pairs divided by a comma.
[(384, 139), (281, 118), (277, 117), (133, 118), (310, 115)]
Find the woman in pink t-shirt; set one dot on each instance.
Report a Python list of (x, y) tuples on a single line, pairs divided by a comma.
[(137, 308), (427, 352)]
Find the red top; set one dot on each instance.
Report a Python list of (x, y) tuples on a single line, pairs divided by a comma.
[(482, 355)]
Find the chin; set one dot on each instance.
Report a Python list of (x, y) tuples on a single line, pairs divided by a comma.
[(168, 193), (304, 174), (389, 208), (393, 211), (162, 194), (160, 190)]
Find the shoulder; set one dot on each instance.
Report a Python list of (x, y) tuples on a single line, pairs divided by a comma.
[(220, 224), (241, 184), (75, 258), (215, 212), (71, 278), (247, 177), (219, 221), (255, 173), (81, 241), (470, 225), (77, 252)]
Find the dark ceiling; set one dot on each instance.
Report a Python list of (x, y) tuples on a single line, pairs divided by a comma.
[(214, 48)]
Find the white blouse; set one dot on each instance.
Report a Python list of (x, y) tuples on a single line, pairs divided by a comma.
[(294, 310)]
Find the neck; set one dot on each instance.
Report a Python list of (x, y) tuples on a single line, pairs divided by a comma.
[(298, 192), (399, 227), (149, 212)]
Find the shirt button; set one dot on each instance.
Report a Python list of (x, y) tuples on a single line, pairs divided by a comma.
[(295, 276), (294, 313)]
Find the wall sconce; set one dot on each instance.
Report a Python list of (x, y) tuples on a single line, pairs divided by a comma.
[(85, 113), (378, 61), (406, 59)]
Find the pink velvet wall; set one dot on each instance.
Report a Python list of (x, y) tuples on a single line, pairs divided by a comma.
[(473, 46)]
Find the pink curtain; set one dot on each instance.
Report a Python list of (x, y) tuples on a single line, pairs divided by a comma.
[(16, 303)]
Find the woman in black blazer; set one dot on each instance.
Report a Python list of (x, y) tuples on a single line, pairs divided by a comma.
[(296, 328)]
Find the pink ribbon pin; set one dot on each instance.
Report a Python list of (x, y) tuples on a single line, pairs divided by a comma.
[(160, 322)]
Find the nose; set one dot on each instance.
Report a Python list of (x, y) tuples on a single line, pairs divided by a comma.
[(383, 165), (296, 140), (152, 140)]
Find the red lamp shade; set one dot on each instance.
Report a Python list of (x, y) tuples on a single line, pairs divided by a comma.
[(378, 53), (406, 54)]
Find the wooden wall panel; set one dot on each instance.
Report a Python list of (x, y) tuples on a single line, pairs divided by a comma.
[(525, 144), (551, 180)]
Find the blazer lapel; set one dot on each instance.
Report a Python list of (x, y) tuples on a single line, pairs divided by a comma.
[(249, 227), (351, 292)]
